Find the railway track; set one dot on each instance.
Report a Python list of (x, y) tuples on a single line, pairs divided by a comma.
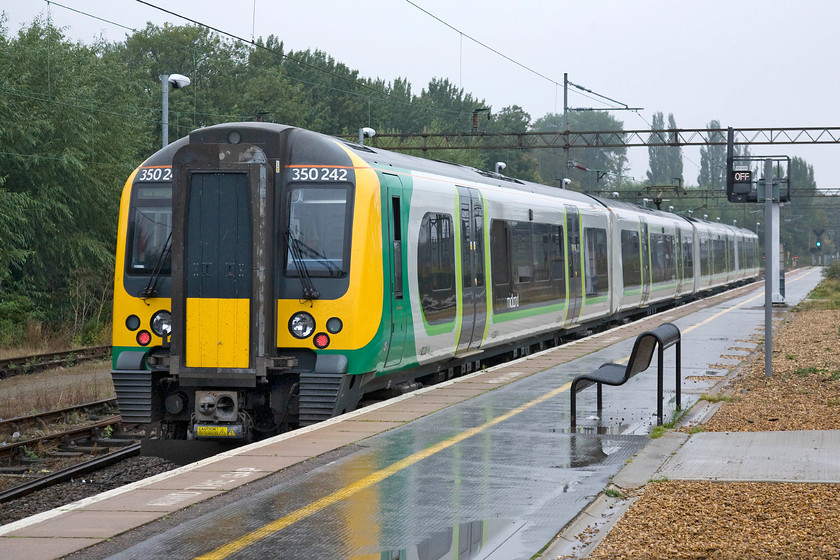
[(40, 362), (43, 419), (73, 440), (88, 445), (69, 473)]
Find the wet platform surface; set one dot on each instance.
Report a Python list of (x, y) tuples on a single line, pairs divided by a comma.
[(482, 467)]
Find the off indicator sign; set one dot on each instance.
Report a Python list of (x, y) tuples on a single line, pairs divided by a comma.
[(742, 176)]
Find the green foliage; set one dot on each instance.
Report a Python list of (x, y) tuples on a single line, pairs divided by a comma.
[(666, 165), (606, 165), (713, 160), (658, 431), (708, 397), (613, 493), (68, 141), (832, 271)]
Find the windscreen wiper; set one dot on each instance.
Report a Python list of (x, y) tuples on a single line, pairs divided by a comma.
[(309, 291), (151, 288), (322, 259)]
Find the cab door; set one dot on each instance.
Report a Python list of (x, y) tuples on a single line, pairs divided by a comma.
[(396, 256)]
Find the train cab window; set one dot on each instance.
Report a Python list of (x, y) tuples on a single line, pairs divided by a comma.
[(436, 268), (150, 227), (595, 262), (319, 222), (631, 258)]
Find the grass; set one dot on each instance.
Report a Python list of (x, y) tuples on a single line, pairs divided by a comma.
[(659, 430), (708, 397), (806, 371), (826, 295), (613, 493), (50, 390)]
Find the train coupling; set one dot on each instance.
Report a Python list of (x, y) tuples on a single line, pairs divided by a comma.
[(217, 416)]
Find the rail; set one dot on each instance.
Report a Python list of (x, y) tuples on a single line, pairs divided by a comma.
[(10, 367)]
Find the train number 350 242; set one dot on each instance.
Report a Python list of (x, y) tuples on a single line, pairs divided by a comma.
[(154, 174), (318, 174)]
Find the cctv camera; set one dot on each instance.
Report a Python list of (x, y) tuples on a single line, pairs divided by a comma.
[(178, 81)]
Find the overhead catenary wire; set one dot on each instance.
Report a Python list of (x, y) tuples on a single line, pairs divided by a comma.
[(509, 59)]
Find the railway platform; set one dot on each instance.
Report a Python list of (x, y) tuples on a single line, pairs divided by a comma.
[(484, 466)]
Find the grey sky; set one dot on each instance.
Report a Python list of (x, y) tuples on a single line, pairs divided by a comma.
[(746, 63)]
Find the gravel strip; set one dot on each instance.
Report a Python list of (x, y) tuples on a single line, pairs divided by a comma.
[(733, 520)]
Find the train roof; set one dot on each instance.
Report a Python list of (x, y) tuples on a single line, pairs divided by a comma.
[(379, 157)]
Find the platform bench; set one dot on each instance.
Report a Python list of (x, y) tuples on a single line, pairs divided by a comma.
[(662, 337)]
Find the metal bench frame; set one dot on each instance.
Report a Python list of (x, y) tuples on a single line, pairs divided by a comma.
[(664, 336)]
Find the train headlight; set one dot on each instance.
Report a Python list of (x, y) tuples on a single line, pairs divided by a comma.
[(302, 325), (162, 323)]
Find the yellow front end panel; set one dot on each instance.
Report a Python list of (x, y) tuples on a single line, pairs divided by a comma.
[(218, 333)]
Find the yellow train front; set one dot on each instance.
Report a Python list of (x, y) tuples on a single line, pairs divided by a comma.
[(248, 284)]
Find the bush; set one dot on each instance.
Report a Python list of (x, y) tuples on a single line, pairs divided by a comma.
[(832, 271)]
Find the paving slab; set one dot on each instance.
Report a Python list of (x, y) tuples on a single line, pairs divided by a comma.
[(795, 456), (42, 548)]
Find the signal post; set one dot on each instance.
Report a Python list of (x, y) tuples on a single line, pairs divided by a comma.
[(742, 186)]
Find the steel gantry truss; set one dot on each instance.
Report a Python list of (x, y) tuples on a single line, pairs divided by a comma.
[(483, 140), (831, 195)]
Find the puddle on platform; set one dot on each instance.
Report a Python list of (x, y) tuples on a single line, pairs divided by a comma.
[(472, 539)]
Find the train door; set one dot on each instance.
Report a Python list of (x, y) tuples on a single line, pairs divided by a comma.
[(220, 281), (645, 247), (575, 293), (474, 309), (396, 257), (218, 270), (678, 262)]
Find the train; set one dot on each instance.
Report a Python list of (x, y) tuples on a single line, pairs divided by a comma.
[(269, 277)]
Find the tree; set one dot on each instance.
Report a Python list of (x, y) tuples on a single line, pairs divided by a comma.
[(665, 162), (713, 159), (605, 166), (520, 163), (68, 141)]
